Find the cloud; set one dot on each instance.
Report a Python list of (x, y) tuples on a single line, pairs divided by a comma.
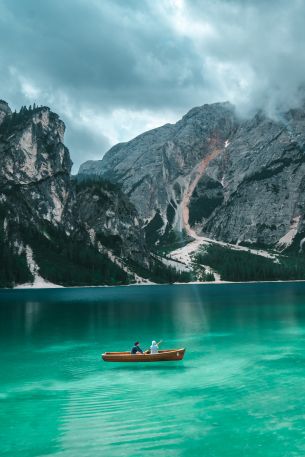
[(254, 55), (114, 68)]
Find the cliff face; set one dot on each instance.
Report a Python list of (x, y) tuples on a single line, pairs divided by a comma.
[(262, 177), (213, 174), (111, 221), (48, 220), (35, 167)]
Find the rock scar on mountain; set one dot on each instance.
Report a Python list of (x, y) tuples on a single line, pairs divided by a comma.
[(195, 176)]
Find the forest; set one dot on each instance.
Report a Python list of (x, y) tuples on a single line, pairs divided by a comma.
[(234, 265)]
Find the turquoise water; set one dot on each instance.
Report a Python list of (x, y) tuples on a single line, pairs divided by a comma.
[(238, 392)]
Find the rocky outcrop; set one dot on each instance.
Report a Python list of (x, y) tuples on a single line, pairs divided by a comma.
[(111, 221), (4, 110), (35, 167)]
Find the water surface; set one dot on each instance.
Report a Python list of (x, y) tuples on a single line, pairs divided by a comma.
[(238, 392)]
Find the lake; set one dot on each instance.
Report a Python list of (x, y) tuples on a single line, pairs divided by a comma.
[(238, 392)]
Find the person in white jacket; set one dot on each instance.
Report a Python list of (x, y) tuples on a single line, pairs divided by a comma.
[(154, 348)]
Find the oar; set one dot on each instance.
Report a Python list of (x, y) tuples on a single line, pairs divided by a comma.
[(147, 350)]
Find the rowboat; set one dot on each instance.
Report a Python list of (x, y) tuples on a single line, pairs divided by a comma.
[(161, 356)]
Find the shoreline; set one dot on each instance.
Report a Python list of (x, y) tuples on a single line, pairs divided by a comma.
[(196, 283)]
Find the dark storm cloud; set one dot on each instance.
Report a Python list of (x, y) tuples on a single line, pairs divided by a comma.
[(107, 53), (112, 68), (94, 55)]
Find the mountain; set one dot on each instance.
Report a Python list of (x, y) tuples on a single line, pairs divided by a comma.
[(213, 174), (55, 228), (212, 197), (157, 168)]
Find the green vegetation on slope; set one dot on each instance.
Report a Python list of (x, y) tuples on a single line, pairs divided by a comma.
[(97, 184), (152, 229), (201, 273), (13, 267), (233, 265), (160, 273), (168, 241), (70, 262)]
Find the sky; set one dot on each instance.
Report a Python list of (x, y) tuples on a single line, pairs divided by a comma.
[(113, 69)]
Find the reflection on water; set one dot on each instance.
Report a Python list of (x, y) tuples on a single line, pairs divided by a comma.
[(241, 382), (32, 310), (182, 310), (187, 309)]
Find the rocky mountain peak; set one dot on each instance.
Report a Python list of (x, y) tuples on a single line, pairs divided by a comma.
[(4, 110), (207, 111), (31, 146), (49, 121)]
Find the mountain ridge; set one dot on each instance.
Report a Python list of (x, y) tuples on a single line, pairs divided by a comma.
[(212, 196), (251, 160)]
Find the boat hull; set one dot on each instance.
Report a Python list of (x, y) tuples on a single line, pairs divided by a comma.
[(161, 356)]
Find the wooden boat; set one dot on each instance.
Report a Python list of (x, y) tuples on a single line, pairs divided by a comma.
[(161, 356)]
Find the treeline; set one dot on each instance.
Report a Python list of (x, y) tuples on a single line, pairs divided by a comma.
[(14, 120), (233, 265), (163, 274), (160, 273), (201, 273), (69, 262), (24, 109), (13, 267), (95, 182), (167, 241)]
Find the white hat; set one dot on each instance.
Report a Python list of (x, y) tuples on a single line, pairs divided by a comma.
[(153, 343)]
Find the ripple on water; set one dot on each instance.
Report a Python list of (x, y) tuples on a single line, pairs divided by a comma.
[(65, 347), (239, 390)]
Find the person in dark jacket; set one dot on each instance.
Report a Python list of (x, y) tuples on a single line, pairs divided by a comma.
[(136, 348)]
